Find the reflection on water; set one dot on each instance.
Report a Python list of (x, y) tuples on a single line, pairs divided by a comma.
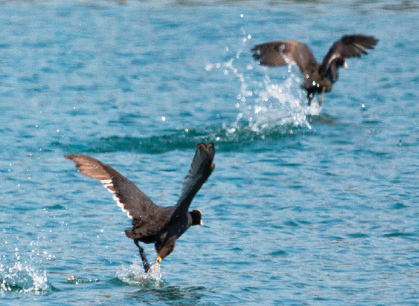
[(170, 295), (154, 289)]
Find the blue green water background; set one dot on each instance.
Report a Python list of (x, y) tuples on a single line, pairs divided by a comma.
[(306, 206)]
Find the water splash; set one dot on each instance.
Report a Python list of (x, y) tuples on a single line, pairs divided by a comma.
[(264, 104), (134, 275), (81, 280), (23, 277), (271, 105), (267, 109)]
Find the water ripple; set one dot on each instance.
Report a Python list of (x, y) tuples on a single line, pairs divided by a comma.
[(225, 139)]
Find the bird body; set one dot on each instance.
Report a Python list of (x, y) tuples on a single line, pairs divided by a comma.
[(318, 77), (152, 223)]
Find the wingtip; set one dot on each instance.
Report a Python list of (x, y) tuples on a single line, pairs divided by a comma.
[(369, 40), (255, 48), (256, 52), (208, 148), (256, 55), (70, 156)]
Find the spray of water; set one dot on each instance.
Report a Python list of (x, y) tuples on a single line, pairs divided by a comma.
[(23, 277), (264, 104), (134, 275)]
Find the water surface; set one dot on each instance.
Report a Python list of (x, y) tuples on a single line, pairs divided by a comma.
[(306, 206)]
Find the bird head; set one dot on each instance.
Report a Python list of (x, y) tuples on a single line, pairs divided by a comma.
[(196, 217)]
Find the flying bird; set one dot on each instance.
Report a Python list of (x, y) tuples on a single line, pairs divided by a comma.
[(152, 223), (318, 78)]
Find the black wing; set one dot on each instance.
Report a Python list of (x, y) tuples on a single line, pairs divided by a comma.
[(128, 197), (201, 169), (280, 53), (346, 47)]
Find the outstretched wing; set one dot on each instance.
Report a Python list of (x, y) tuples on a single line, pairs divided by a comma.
[(346, 47), (131, 199), (201, 169), (280, 53)]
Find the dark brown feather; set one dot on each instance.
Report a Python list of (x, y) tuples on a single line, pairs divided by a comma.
[(200, 170), (346, 47), (280, 53), (317, 78), (150, 222), (131, 199)]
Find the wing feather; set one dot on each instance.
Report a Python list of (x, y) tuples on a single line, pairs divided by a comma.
[(200, 170), (280, 53), (127, 196), (346, 47)]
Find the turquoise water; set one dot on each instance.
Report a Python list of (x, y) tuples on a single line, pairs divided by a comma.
[(305, 206)]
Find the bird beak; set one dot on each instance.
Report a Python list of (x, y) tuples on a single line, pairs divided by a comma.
[(201, 223), (156, 265), (345, 65)]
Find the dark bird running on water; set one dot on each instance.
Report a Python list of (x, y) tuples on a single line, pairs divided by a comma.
[(318, 78), (152, 223)]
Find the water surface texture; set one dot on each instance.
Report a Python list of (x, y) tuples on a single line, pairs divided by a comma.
[(306, 206)]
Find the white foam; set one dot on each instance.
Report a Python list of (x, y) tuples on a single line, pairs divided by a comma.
[(263, 103), (134, 274), (23, 277)]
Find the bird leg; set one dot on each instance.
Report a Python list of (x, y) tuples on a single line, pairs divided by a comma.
[(143, 258), (321, 98), (310, 97)]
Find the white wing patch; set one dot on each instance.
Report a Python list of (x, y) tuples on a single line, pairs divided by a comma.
[(360, 47), (286, 58), (109, 186), (330, 61)]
